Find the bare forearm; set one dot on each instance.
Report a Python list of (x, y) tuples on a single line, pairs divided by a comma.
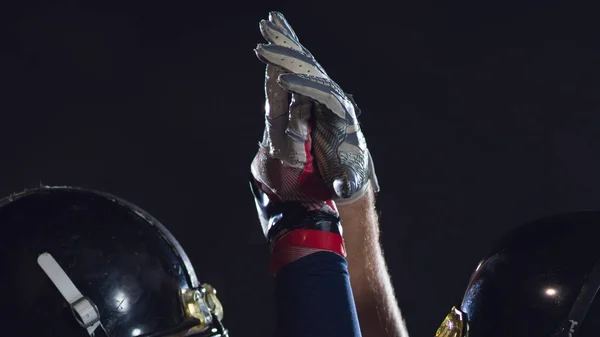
[(378, 310)]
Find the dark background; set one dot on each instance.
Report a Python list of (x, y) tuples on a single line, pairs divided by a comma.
[(480, 115)]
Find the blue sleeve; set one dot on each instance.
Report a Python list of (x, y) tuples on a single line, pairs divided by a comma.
[(314, 298)]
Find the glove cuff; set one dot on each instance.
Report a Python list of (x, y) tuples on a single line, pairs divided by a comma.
[(280, 217), (293, 231)]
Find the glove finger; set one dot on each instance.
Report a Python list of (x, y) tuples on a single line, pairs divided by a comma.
[(276, 97), (289, 59), (323, 91), (339, 146), (298, 132), (276, 112), (278, 36), (300, 113), (341, 153), (279, 20)]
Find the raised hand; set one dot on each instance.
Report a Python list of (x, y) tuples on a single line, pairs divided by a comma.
[(311, 130)]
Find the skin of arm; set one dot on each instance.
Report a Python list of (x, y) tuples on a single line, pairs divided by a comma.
[(376, 304)]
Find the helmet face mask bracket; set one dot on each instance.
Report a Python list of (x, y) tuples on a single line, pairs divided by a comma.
[(203, 306)]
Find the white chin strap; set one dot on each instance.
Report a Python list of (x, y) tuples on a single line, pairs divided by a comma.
[(84, 309)]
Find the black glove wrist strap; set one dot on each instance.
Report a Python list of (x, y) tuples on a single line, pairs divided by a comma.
[(286, 216)]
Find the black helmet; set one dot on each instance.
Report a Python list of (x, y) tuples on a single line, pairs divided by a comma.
[(77, 263), (540, 280)]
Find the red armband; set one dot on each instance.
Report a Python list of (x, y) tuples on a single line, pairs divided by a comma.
[(303, 242)]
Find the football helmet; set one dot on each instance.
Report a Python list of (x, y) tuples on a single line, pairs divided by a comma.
[(78, 262), (540, 280)]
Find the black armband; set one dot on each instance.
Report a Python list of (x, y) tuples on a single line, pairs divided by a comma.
[(283, 217)]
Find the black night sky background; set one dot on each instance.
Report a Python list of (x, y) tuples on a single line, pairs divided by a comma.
[(479, 115)]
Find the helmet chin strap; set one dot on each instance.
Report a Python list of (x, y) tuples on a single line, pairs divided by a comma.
[(570, 327), (85, 311)]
